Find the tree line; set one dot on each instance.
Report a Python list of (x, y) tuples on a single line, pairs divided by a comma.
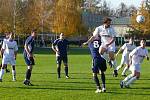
[(21, 16)]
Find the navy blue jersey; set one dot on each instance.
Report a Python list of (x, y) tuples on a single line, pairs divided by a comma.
[(62, 45), (94, 48), (30, 44)]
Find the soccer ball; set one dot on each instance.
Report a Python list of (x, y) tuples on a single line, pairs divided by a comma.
[(140, 18)]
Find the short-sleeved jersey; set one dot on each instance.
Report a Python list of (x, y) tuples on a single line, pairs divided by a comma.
[(138, 54), (127, 48), (9, 46), (106, 34), (30, 44), (94, 48), (61, 45)]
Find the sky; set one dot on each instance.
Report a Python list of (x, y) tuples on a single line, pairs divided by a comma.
[(115, 3)]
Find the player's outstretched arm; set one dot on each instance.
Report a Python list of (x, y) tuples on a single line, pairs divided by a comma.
[(119, 51), (89, 40)]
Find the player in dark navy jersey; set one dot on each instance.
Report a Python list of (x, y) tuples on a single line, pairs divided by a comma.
[(99, 64), (28, 56), (60, 47)]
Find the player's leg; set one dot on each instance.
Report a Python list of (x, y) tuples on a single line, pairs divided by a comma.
[(113, 61), (98, 87), (65, 61), (14, 72), (7, 70), (30, 63), (122, 63), (95, 70), (103, 68), (122, 83), (125, 70), (102, 50), (136, 72), (4, 63), (58, 60), (13, 63), (2, 71)]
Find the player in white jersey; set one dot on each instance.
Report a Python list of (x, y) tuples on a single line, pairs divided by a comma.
[(126, 49), (136, 58), (107, 34), (6, 37), (10, 49)]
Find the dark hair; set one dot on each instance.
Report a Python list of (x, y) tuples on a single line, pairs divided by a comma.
[(143, 39), (34, 30), (106, 19)]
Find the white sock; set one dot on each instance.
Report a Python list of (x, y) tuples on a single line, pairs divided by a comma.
[(124, 70), (114, 64), (2, 73), (128, 78), (14, 74), (131, 80)]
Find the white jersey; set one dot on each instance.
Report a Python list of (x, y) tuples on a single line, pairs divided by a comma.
[(127, 48), (138, 54), (106, 34), (9, 48)]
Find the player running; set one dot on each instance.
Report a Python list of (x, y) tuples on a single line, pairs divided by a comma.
[(9, 49), (126, 49), (28, 56), (136, 58), (99, 64), (107, 34), (60, 47)]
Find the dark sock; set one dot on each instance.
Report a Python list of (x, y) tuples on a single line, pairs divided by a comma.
[(103, 79), (28, 74), (66, 71), (96, 81), (58, 71)]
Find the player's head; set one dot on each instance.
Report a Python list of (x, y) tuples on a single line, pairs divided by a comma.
[(33, 32), (7, 34), (61, 36), (11, 35), (131, 40), (143, 42), (107, 22)]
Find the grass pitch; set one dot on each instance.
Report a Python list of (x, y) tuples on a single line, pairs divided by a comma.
[(79, 87)]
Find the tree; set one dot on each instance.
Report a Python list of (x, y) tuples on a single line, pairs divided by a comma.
[(143, 29), (67, 17)]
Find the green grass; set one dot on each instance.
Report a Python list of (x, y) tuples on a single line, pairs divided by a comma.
[(79, 87)]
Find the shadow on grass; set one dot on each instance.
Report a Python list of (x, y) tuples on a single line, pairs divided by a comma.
[(129, 94)]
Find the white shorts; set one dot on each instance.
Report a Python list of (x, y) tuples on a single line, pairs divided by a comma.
[(124, 60), (135, 67), (109, 48), (9, 60)]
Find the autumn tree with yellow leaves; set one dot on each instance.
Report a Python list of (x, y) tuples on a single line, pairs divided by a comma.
[(67, 18), (141, 29)]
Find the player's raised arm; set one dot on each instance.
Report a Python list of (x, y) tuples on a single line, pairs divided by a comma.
[(89, 40), (120, 50)]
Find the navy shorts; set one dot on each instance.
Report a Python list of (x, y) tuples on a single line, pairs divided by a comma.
[(29, 61), (99, 64), (59, 59)]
